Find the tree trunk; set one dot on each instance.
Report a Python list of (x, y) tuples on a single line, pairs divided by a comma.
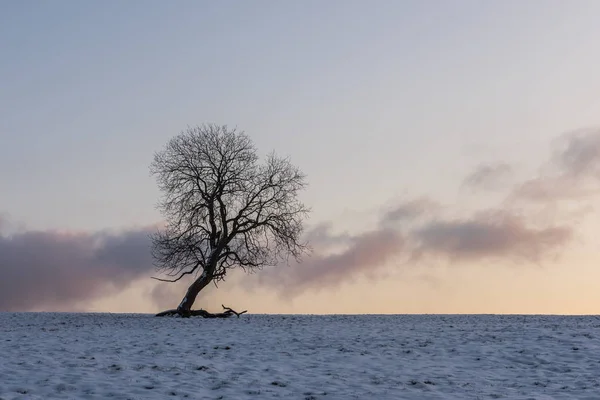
[(185, 307)]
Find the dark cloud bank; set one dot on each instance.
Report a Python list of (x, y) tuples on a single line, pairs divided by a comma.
[(55, 270)]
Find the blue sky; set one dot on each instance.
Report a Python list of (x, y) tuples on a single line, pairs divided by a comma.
[(375, 98), (375, 101)]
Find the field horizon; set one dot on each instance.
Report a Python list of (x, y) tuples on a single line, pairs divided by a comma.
[(249, 312)]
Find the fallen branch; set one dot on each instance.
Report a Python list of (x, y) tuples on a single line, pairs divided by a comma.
[(230, 310), (201, 313)]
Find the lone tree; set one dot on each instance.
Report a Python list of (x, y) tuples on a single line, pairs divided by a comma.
[(224, 209)]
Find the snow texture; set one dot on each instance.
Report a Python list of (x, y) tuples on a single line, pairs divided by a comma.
[(125, 356)]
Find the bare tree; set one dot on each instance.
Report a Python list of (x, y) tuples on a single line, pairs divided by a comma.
[(223, 209)]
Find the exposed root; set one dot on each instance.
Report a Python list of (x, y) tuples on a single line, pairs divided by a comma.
[(167, 313), (201, 313)]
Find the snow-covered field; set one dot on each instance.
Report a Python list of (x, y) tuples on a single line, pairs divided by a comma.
[(115, 356)]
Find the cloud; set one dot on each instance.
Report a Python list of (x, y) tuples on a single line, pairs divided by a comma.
[(572, 171), (341, 257), (363, 254), (579, 155), (419, 229), (547, 189), (491, 234), (47, 270), (496, 233), (410, 210), (321, 236), (488, 176)]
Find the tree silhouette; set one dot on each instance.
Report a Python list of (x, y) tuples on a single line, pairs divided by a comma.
[(224, 209)]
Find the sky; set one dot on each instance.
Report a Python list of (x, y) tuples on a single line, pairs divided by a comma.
[(452, 149)]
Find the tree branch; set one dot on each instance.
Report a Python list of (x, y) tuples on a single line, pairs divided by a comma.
[(223, 209)]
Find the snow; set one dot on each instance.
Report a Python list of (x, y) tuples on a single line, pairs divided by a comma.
[(127, 356)]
